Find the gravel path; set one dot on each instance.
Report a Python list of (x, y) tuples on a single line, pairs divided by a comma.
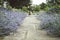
[(29, 31)]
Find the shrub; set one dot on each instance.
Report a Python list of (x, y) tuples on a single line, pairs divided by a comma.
[(10, 21), (50, 22)]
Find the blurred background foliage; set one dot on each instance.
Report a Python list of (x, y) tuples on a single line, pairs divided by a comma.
[(25, 5)]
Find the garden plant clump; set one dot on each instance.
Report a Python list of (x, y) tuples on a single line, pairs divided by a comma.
[(50, 22), (10, 21)]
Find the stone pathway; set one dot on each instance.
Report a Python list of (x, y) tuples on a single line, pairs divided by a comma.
[(29, 31)]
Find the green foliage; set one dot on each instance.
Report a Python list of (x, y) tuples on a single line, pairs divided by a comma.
[(25, 9), (54, 10), (43, 6), (54, 5), (36, 8), (16, 3), (53, 2), (1, 2), (19, 3)]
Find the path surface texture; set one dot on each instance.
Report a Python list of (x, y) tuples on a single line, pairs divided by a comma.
[(29, 31)]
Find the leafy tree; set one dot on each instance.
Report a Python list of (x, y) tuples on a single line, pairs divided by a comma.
[(18, 3), (1, 2), (54, 5), (53, 2), (43, 6), (37, 8)]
